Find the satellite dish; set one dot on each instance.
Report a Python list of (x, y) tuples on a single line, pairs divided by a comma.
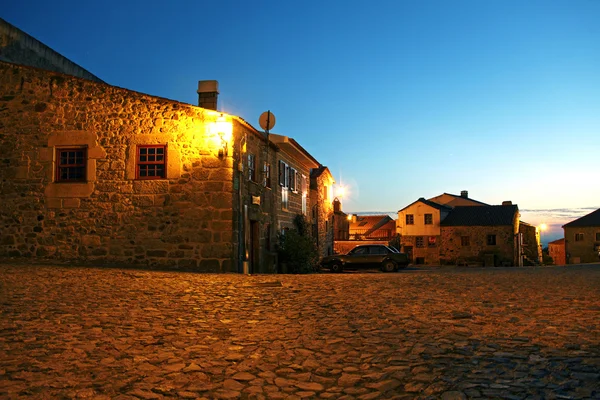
[(267, 120)]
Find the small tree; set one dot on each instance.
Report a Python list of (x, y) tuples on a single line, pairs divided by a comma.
[(297, 249)]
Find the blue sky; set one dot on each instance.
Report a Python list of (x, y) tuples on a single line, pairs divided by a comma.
[(400, 99)]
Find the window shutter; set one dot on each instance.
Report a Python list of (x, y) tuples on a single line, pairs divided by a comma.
[(286, 182), (281, 173)]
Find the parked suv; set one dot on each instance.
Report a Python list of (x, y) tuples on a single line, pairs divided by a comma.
[(367, 255)]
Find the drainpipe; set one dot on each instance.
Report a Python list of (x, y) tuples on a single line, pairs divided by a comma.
[(242, 259)]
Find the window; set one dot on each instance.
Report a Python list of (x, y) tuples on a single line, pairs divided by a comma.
[(151, 163), (293, 180), (579, 237), (428, 219), (284, 198), (251, 168), (284, 174), (71, 165), (491, 240), (410, 219), (420, 241), (465, 241), (597, 236), (304, 195), (431, 241), (267, 175), (325, 192)]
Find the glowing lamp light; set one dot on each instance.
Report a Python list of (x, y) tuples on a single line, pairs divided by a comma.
[(349, 217), (223, 129)]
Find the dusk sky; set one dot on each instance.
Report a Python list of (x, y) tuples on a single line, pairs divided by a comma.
[(400, 99)]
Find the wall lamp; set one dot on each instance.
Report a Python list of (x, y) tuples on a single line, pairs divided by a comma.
[(223, 128)]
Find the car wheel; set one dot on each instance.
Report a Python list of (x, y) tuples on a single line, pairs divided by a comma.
[(388, 266), (336, 267)]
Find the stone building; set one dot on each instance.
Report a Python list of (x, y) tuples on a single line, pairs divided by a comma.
[(482, 234), (582, 239), (451, 229), (100, 174), (341, 223), (419, 227), (556, 250), (531, 247), (321, 195)]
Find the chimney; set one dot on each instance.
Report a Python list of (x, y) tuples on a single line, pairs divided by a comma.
[(337, 205), (507, 203), (208, 94), (464, 193)]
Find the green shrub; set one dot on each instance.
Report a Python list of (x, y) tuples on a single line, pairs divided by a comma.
[(297, 249)]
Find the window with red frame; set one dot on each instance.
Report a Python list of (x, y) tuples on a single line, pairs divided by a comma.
[(151, 162), (71, 165)]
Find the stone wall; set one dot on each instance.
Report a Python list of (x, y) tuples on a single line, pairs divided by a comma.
[(584, 251), (557, 252), (18, 47), (452, 251), (322, 212), (184, 221), (260, 201), (532, 250), (427, 255)]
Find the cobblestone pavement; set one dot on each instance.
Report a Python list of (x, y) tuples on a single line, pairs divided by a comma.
[(69, 332)]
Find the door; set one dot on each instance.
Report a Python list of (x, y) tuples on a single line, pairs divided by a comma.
[(254, 250), (409, 250)]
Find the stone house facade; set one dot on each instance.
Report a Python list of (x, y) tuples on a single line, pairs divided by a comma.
[(556, 250), (452, 229), (321, 211), (582, 239), (99, 174), (531, 247), (102, 174), (418, 225), (484, 234)]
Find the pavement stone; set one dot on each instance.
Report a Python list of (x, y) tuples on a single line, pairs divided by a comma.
[(455, 333)]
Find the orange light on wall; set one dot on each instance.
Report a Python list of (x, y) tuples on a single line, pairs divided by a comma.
[(222, 129)]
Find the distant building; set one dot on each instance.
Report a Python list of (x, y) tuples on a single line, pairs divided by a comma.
[(453, 229), (372, 227), (556, 250), (486, 234), (582, 239), (341, 224), (322, 216)]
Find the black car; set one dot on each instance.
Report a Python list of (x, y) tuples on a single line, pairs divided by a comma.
[(367, 255)]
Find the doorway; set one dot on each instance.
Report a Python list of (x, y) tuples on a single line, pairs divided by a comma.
[(254, 249)]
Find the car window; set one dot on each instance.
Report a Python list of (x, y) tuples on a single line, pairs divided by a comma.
[(378, 250), (358, 250)]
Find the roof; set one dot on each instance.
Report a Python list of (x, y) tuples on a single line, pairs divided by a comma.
[(294, 149), (481, 216), (559, 241), (370, 221), (591, 219), (20, 48), (429, 203), (457, 197)]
